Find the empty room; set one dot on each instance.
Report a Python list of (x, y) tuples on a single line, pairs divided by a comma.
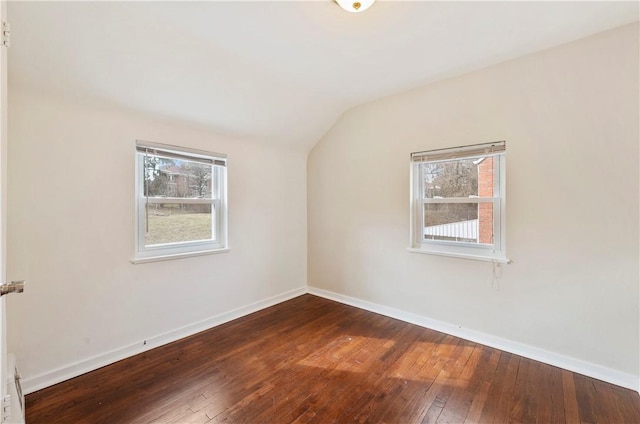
[(320, 211)]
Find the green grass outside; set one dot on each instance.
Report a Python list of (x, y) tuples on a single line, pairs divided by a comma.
[(176, 228)]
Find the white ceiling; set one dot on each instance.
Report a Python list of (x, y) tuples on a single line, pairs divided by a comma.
[(282, 72)]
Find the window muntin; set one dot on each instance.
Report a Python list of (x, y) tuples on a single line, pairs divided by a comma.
[(458, 201), (181, 200)]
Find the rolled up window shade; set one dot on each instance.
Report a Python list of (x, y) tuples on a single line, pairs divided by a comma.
[(485, 149), (181, 153)]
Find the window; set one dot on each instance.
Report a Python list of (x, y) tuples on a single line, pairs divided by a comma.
[(458, 202), (181, 205)]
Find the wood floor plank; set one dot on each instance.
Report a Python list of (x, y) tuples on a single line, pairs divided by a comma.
[(397, 374), (311, 360), (419, 394), (504, 402), (531, 400), (377, 377), (571, 409), (448, 351), (472, 385), (477, 405), (550, 409), (413, 377), (587, 401), (459, 402), (516, 413), (445, 386), (611, 409), (489, 409), (341, 374)]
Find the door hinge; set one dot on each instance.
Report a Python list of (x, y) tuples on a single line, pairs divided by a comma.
[(6, 34), (6, 408)]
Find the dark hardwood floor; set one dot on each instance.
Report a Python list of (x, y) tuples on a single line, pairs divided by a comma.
[(314, 360)]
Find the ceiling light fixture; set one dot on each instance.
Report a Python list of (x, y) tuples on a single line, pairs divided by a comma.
[(355, 5)]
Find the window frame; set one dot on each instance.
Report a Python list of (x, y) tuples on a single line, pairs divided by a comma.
[(218, 202), (495, 252)]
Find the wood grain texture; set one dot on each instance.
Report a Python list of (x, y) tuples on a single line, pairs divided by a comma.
[(311, 360)]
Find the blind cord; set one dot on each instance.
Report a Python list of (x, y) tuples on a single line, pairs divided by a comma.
[(496, 275)]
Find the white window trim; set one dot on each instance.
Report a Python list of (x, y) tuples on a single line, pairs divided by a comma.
[(465, 250), (177, 256), (162, 252)]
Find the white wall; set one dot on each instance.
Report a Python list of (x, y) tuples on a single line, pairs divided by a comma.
[(570, 119), (71, 236)]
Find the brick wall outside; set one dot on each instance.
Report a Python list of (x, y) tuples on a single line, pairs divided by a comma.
[(485, 210)]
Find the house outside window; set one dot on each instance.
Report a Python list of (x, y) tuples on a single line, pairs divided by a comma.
[(458, 202), (181, 206)]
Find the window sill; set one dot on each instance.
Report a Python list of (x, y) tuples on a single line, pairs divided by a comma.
[(144, 260), (500, 260)]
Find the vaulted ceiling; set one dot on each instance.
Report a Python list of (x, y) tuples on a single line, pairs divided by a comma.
[(281, 72)]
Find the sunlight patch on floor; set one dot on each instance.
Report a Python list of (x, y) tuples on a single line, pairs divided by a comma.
[(421, 362)]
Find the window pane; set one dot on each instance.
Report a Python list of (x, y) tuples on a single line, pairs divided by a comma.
[(176, 222), (458, 178), (466, 222), (176, 178)]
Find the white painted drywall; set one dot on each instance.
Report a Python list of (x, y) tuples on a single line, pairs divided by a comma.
[(71, 234), (570, 119)]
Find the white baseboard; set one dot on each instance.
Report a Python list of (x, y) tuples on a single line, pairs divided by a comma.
[(30, 385), (599, 372), (609, 375)]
